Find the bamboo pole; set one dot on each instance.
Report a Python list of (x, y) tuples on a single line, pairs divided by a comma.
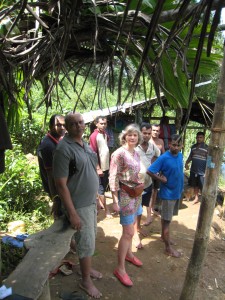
[(214, 160)]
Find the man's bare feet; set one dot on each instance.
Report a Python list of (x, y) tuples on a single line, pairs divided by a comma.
[(148, 221), (139, 246), (142, 232), (155, 213), (99, 204), (173, 253), (108, 215), (137, 242), (172, 243), (195, 201), (96, 274), (116, 208), (90, 289), (72, 246)]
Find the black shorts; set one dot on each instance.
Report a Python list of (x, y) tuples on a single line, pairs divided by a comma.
[(196, 180), (103, 182), (146, 195)]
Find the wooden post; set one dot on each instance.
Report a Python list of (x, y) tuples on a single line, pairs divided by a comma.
[(138, 116), (215, 156)]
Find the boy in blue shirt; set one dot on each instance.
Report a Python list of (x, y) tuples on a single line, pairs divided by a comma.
[(168, 169)]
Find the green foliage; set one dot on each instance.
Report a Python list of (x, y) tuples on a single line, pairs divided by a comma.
[(28, 134), (21, 194), (209, 91), (11, 257)]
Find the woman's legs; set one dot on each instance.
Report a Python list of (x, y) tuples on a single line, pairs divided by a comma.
[(124, 247)]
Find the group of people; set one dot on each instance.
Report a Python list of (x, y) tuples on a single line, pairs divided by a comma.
[(77, 175)]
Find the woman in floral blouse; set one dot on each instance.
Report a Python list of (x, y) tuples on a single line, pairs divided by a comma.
[(124, 169)]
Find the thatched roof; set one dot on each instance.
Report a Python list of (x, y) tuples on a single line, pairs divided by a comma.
[(129, 47)]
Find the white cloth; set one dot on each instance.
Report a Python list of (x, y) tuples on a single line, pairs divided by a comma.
[(146, 161), (5, 292), (103, 151)]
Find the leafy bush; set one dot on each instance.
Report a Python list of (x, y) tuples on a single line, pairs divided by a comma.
[(21, 193), (28, 134)]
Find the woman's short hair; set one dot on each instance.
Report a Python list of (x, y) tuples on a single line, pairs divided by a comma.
[(130, 129)]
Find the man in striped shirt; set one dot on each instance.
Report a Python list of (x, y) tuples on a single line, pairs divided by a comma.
[(198, 157)]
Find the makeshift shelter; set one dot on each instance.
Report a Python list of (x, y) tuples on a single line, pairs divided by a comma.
[(141, 111), (201, 112)]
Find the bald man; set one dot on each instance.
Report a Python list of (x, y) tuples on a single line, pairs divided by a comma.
[(77, 181)]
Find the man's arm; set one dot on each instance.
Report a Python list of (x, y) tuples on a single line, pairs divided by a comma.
[(56, 207), (157, 153), (154, 159), (64, 193), (99, 171), (157, 176), (188, 161), (51, 183), (46, 155), (186, 164), (94, 146), (163, 147), (93, 141)]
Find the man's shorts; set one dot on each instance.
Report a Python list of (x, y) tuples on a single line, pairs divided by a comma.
[(85, 237), (155, 184), (103, 182), (128, 220), (196, 180), (169, 209), (146, 195)]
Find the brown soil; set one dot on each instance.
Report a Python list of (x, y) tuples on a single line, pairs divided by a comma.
[(161, 277)]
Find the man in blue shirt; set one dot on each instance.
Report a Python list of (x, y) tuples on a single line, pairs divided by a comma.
[(168, 169)]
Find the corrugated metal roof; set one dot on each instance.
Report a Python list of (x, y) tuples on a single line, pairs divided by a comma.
[(110, 111)]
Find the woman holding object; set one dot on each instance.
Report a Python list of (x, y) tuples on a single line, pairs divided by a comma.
[(124, 169)]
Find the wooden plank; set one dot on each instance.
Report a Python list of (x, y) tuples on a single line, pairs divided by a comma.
[(46, 250), (46, 294)]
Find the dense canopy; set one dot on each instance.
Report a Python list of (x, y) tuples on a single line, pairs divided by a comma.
[(146, 45)]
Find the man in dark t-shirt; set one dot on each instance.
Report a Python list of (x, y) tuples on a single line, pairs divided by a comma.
[(45, 153), (198, 157)]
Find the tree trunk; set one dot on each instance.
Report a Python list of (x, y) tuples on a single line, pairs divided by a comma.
[(215, 155)]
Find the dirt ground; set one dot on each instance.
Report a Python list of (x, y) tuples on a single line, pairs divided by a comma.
[(161, 277)]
